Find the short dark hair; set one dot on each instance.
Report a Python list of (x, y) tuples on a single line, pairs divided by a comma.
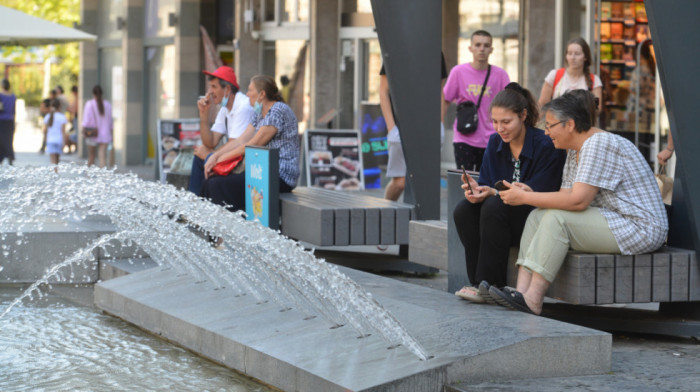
[(59, 88), (482, 33), (577, 105), (5, 84), (74, 89)]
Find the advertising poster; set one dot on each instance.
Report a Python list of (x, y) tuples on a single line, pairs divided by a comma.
[(176, 142), (333, 159), (375, 148), (262, 185)]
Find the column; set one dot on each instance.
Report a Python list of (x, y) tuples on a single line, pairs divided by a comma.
[(325, 52), (88, 62), (187, 49), (133, 141), (247, 48), (538, 52)]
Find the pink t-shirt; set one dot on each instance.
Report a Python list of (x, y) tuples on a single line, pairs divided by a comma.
[(464, 84), (92, 118)]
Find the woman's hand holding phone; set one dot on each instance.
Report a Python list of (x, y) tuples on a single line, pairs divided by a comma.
[(472, 190)]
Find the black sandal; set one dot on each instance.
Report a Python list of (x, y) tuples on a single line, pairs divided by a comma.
[(513, 300)]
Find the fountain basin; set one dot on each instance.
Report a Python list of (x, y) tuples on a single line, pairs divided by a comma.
[(468, 342)]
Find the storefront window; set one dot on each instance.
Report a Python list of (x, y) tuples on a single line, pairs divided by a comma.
[(498, 17), (364, 6), (295, 10), (291, 60), (628, 70), (156, 18), (373, 54), (108, 12)]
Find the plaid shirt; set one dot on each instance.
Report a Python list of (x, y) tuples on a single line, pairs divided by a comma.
[(628, 196), (286, 139)]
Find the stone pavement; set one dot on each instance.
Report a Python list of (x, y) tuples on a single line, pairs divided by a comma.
[(639, 362), (28, 140)]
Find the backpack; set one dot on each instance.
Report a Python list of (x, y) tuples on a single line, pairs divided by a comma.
[(560, 74)]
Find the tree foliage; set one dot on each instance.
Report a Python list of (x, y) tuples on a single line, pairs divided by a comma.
[(27, 81)]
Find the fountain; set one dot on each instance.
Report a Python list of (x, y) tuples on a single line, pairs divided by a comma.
[(260, 303)]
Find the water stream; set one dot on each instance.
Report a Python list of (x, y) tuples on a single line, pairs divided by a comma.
[(174, 228)]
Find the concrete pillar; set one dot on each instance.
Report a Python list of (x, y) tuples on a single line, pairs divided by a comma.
[(132, 138), (325, 52), (450, 48), (187, 48), (248, 56), (88, 62), (538, 51), (450, 32)]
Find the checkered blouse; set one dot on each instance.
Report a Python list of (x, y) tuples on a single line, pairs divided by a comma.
[(286, 139), (629, 197)]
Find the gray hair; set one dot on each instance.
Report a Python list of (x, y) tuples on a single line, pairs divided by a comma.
[(577, 105)]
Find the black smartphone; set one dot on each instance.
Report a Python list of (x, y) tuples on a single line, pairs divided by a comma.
[(466, 178), (499, 185)]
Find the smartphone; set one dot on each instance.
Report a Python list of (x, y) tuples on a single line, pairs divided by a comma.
[(499, 185), (466, 178)]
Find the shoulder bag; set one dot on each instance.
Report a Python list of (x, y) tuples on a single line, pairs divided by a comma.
[(90, 131), (468, 113)]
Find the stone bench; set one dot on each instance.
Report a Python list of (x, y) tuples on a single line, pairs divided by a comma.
[(667, 275), (324, 218), (427, 243)]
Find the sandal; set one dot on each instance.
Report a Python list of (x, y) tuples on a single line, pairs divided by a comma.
[(470, 294), (484, 292), (513, 300)]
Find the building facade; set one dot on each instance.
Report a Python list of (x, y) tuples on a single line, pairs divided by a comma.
[(149, 54)]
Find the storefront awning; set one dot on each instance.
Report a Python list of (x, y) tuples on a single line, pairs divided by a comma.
[(20, 29)]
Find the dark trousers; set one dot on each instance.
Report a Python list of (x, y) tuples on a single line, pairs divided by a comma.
[(229, 191), (197, 175), (468, 156), (487, 231)]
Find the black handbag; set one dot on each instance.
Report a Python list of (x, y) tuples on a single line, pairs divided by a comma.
[(468, 112)]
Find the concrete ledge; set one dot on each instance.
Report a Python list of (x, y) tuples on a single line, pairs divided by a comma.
[(31, 249), (112, 269), (427, 243), (468, 341)]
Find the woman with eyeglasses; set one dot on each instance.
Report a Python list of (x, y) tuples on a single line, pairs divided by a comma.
[(517, 153), (609, 202)]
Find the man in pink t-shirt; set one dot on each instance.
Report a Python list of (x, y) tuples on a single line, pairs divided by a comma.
[(464, 84)]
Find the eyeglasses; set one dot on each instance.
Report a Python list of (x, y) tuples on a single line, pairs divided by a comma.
[(547, 127)]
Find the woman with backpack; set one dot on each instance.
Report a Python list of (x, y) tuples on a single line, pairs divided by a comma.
[(576, 75)]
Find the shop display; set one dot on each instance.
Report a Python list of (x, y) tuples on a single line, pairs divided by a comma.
[(623, 26)]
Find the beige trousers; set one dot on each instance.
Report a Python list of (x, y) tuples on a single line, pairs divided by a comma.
[(550, 233)]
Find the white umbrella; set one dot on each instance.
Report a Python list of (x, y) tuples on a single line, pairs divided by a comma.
[(18, 28)]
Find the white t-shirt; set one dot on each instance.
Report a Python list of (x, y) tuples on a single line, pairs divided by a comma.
[(237, 119), (566, 83), (54, 133)]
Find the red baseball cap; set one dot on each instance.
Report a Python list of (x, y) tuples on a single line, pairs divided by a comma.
[(224, 73)]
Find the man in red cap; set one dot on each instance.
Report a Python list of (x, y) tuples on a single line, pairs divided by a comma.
[(232, 120)]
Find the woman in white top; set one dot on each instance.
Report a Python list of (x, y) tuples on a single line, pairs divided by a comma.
[(55, 127), (576, 75)]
